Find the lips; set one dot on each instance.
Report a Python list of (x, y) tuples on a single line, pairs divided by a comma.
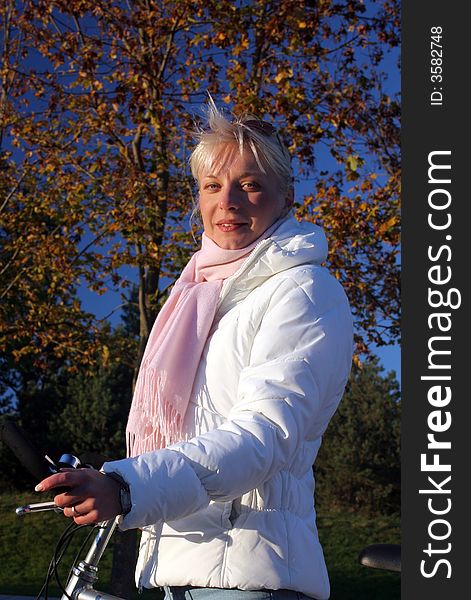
[(228, 226)]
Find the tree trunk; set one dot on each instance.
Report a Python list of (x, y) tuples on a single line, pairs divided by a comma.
[(124, 554)]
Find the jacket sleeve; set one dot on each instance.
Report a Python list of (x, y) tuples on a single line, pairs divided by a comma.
[(299, 363)]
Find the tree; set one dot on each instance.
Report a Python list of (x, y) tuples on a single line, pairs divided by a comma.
[(358, 467), (95, 117)]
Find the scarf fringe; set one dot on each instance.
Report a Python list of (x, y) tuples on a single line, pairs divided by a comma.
[(153, 420)]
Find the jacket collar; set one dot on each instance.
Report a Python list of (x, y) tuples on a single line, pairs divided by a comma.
[(293, 244)]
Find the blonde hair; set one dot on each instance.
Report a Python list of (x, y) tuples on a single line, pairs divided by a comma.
[(239, 134)]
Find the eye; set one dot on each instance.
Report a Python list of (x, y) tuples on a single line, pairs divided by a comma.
[(250, 186), (211, 186)]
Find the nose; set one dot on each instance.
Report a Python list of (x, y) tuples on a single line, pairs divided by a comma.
[(230, 198)]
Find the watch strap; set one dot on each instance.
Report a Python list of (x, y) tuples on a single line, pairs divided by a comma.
[(124, 492)]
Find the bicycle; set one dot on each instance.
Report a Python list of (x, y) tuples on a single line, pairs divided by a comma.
[(83, 575)]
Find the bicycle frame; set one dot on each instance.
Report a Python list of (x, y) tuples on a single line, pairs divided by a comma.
[(85, 574)]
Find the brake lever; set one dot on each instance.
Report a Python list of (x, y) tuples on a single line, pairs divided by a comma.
[(67, 461)]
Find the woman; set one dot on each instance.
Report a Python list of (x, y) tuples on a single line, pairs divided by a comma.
[(243, 370)]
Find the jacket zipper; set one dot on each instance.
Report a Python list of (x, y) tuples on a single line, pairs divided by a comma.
[(224, 559), (145, 565), (226, 286)]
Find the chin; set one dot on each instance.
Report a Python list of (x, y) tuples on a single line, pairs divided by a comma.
[(236, 243)]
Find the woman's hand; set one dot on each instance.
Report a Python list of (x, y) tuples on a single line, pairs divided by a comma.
[(91, 496)]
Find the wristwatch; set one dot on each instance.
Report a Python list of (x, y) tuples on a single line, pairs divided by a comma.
[(124, 493)]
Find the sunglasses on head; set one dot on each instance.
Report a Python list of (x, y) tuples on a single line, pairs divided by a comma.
[(253, 124)]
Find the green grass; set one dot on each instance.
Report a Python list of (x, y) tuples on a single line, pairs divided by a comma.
[(343, 535), (27, 544)]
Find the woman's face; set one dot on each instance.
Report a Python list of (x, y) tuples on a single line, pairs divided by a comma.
[(238, 202)]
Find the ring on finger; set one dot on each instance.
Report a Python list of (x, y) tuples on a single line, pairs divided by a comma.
[(75, 512)]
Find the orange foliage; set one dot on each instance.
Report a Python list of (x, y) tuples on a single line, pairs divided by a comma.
[(96, 111)]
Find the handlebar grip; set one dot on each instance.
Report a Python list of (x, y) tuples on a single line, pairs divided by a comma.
[(24, 450)]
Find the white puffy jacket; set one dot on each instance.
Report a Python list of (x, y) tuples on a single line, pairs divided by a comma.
[(233, 507)]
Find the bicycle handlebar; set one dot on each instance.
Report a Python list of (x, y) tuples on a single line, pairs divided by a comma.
[(37, 507), (83, 575)]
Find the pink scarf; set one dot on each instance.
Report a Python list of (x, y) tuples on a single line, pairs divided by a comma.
[(175, 346)]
